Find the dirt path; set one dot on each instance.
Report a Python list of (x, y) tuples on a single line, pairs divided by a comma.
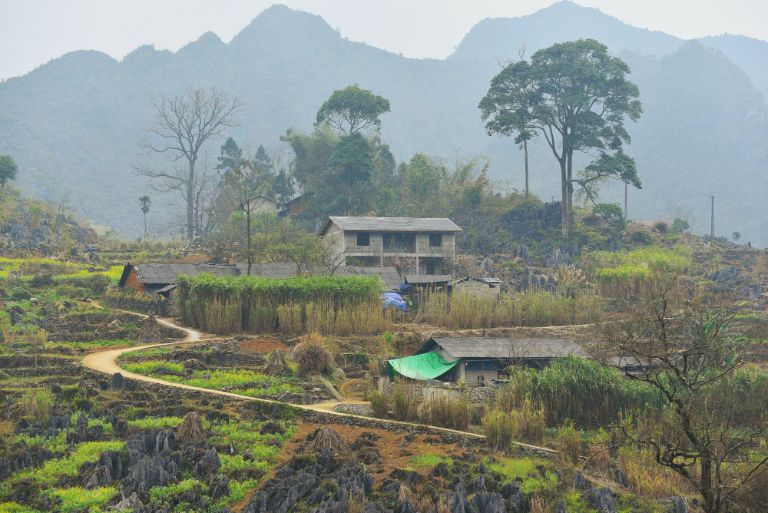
[(106, 363)]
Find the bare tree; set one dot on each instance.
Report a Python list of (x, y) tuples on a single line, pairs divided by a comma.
[(708, 433), (184, 124)]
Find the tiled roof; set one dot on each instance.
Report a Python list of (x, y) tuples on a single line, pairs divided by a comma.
[(503, 348), (392, 224)]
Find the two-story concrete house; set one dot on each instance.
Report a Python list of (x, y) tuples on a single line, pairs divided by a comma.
[(371, 241)]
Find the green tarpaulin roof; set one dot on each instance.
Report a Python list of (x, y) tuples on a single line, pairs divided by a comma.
[(421, 366)]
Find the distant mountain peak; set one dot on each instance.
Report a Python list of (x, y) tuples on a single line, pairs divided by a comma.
[(499, 38), (279, 22)]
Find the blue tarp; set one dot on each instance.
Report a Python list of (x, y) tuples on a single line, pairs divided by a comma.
[(394, 300)]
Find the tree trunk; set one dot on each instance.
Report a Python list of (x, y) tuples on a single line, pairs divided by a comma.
[(564, 200), (525, 153), (711, 504), (191, 201), (569, 188), (145, 227), (248, 238)]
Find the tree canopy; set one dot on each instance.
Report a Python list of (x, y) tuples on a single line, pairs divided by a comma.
[(8, 169), (352, 109), (577, 97)]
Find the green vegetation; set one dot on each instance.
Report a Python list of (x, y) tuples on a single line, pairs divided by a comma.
[(155, 422), (244, 382), (429, 460), (155, 367), (620, 274), (77, 499), (158, 493), (580, 390), (69, 465), (525, 470)]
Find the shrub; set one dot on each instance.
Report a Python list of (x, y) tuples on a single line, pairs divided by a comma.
[(36, 404), (679, 225), (569, 443), (311, 356), (379, 404), (640, 237), (661, 227)]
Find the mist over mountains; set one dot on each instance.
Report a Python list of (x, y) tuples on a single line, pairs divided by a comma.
[(75, 124)]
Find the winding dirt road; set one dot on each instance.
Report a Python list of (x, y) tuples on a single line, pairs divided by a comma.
[(106, 363)]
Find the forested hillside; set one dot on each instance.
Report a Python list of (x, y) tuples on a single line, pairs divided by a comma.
[(75, 125)]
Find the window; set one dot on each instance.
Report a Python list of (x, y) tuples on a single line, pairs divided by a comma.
[(435, 240), (363, 239)]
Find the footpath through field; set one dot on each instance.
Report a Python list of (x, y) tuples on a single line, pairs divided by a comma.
[(106, 363)]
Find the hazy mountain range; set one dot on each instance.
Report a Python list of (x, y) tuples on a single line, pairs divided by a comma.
[(75, 124)]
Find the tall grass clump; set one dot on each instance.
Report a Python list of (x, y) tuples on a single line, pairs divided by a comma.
[(500, 429), (405, 403), (379, 404), (324, 304), (462, 310), (446, 411)]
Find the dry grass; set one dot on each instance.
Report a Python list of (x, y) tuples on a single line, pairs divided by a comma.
[(462, 310), (649, 479)]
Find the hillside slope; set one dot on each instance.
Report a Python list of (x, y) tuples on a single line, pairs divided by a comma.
[(75, 125)]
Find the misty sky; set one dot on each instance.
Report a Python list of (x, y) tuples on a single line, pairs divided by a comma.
[(32, 32)]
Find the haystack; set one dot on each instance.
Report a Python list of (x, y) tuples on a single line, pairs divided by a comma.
[(151, 331), (190, 431), (276, 365), (327, 439)]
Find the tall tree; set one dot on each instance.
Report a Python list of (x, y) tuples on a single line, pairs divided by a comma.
[(144, 203), (577, 97), (184, 124), (352, 109), (507, 108)]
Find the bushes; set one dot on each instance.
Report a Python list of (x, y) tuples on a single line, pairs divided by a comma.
[(325, 304), (583, 391), (311, 356)]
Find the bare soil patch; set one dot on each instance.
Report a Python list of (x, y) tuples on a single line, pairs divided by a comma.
[(263, 345)]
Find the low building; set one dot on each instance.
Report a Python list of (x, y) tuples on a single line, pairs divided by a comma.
[(477, 360), (478, 286), (371, 241), (161, 278)]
